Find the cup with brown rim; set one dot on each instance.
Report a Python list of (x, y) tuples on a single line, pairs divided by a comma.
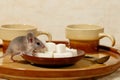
[(9, 31), (86, 37)]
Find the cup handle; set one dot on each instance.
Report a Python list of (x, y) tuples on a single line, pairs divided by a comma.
[(102, 35), (45, 33), (1, 45)]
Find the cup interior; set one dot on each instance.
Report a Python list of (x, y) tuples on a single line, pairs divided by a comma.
[(17, 27), (84, 27)]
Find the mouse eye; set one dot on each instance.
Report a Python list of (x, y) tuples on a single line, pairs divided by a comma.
[(38, 43)]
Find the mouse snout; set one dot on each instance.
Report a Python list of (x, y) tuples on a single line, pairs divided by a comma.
[(43, 46)]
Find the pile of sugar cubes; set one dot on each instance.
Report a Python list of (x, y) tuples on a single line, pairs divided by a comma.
[(57, 51)]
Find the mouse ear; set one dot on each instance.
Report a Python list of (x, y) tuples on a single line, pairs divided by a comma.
[(30, 37)]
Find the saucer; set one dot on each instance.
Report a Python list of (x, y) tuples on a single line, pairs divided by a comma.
[(54, 62)]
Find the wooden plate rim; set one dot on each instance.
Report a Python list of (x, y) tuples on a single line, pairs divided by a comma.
[(57, 73)]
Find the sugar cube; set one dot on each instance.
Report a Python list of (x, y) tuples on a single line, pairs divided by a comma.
[(74, 52), (45, 55), (63, 55), (60, 48), (51, 46)]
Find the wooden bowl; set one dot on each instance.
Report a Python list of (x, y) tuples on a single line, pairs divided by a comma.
[(54, 62)]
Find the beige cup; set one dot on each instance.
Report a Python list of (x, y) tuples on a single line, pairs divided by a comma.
[(10, 31), (86, 37)]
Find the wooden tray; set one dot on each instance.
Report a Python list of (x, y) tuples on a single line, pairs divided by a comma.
[(81, 70)]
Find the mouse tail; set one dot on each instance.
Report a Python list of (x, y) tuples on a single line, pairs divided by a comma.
[(4, 55), (8, 51)]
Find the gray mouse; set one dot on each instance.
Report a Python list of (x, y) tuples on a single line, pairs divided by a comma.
[(28, 44)]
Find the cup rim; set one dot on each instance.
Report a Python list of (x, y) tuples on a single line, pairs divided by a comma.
[(15, 27), (82, 27)]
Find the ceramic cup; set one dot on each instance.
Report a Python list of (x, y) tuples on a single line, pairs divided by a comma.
[(86, 37), (10, 31)]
